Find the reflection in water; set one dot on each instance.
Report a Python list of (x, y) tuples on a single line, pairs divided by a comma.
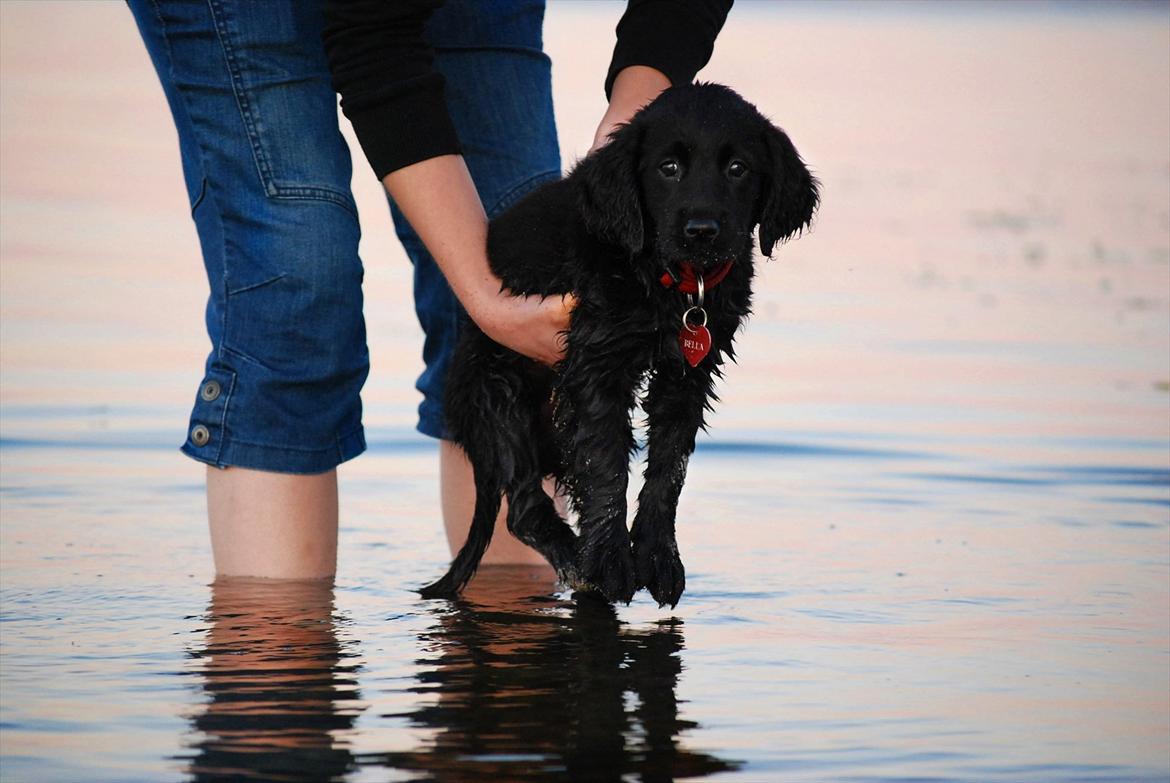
[(521, 686), (515, 685), (278, 685)]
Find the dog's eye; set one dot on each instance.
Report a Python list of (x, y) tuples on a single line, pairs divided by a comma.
[(669, 168), (736, 169)]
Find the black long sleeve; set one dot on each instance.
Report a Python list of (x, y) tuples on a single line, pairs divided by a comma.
[(673, 36), (383, 67)]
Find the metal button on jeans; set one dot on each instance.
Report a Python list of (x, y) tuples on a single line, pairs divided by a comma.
[(210, 391), (200, 435)]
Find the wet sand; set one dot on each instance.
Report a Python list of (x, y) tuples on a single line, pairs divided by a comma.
[(927, 537)]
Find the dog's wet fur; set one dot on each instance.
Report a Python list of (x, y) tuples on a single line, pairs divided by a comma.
[(687, 180)]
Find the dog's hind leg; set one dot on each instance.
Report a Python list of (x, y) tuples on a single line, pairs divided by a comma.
[(494, 411), (488, 494), (532, 515), (534, 520)]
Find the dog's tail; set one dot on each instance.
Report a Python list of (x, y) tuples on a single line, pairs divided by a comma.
[(483, 524)]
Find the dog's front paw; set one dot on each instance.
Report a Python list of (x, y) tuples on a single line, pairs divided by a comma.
[(660, 570), (608, 567)]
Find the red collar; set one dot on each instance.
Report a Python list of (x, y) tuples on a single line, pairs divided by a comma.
[(689, 285)]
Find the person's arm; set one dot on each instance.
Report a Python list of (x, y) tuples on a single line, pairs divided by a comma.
[(633, 87), (382, 67), (659, 43), (439, 199)]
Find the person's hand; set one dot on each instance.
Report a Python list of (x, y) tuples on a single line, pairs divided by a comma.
[(633, 88), (530, 325)]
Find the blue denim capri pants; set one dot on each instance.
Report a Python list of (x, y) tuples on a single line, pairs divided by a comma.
[(268, 173)]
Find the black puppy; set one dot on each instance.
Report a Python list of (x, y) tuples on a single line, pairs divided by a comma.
[(653, 233)]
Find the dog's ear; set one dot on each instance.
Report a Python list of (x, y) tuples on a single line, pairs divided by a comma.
[(608, 190), (791, 195)]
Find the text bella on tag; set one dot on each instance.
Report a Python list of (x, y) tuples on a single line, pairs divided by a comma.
[(695, 342)]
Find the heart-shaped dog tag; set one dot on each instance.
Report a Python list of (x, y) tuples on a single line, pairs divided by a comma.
[(695, 342)]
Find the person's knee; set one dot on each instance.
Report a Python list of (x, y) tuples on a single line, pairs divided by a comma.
[(294, 298), (281, 390)]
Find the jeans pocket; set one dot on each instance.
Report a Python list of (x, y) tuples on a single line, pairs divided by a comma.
[(282, 85)]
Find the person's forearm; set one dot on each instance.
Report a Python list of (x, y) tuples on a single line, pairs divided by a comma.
[(439, 199), (633, 88)]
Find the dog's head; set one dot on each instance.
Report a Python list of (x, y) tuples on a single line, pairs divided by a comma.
[(691, 176)]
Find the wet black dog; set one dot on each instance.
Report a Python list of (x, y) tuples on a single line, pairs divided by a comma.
[(653, 233)]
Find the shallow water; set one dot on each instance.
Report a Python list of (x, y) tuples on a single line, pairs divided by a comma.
[(876, 611), (928, 537)]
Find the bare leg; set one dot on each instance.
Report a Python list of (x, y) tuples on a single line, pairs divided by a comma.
[(272, 525), (458, 499)]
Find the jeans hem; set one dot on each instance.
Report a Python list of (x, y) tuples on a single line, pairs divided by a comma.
[(276, 459), (432, 426)]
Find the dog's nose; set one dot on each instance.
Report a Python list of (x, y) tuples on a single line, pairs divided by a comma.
[(704, 229)]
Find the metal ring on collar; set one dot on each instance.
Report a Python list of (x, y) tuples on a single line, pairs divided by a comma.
[(687, 314)]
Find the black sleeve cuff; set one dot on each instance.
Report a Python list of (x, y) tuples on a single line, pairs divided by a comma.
[(383, 68), (673, 36), (414, 126)]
